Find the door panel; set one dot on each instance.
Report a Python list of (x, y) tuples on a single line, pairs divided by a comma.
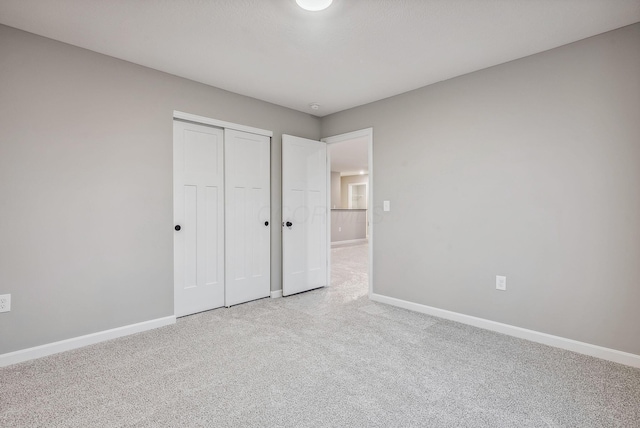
[(190, 237), (305, 207), (198, 191), (248, 211), (211, 223)]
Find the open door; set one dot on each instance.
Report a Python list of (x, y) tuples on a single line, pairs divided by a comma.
[(304, 215)]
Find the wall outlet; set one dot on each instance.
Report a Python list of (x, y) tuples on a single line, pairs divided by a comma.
[(386, 205), (339, 229), (501, 283), (5, 302)]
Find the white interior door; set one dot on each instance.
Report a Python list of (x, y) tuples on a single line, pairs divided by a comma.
[(199, 218), (304, 214), (247, 207)]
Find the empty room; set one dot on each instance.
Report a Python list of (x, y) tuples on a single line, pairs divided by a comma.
[(320, 213)]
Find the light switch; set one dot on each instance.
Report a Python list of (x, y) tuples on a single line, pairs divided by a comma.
[(386, 206)]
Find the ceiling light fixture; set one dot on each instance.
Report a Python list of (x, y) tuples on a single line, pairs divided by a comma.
[(314, 5), (314, 106)]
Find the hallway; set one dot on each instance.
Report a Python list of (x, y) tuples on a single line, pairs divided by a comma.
[(350, 266)]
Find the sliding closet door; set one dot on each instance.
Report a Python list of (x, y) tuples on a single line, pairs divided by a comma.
[(248, 223), (199, 218)]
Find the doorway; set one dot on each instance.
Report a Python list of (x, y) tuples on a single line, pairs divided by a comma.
[(350, 226)]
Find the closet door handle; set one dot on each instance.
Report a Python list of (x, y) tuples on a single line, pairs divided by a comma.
[(177, 228), (289, 224), (266, 223)]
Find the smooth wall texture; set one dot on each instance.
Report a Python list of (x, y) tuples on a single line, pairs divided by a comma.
[(86, 186), (348, 225), (531, 170)]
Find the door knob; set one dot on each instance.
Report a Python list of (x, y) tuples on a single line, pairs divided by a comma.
[(289, 224), (177, 227), (266, 223)]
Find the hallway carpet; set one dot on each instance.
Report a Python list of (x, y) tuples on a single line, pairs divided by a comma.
[(325, 358)]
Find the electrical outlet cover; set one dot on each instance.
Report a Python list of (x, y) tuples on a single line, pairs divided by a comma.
[(5, 302)]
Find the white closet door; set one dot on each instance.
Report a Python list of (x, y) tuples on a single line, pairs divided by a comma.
[(199, 218), (304, 214), (248, 223)]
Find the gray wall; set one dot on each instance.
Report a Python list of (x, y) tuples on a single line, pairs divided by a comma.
[(530, 170), (347, 225), (86, 186)]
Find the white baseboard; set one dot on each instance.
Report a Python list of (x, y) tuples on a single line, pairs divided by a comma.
[(349, 242), (80, 341), (522, 333), (276, 294)]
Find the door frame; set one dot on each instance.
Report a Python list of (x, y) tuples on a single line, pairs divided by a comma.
[(362, 133), (202, 120)]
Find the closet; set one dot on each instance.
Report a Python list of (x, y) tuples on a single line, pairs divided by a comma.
[(221, 198)]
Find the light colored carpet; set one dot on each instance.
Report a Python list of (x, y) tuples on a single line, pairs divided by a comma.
[(326, 358)]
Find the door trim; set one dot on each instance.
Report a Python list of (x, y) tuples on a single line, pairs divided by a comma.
[(366, 133), (219, 123)]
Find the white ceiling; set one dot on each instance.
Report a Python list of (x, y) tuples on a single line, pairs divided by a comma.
[(350, 156), (355, 52)]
